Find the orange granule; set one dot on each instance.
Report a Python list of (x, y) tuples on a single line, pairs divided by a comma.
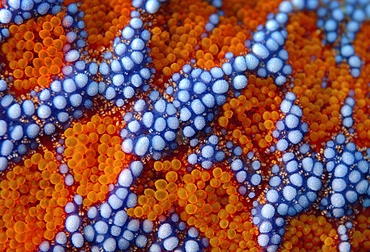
[(205, 199), (362, 89), (310, 233), (313, 64), (33, 52), (250, 13), (360, 237), (32, 200), (93, 154), (104, 19), (251, 118), (180, 35), (175, 34)]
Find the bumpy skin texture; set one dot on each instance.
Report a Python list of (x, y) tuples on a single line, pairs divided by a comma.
[(184, 125)]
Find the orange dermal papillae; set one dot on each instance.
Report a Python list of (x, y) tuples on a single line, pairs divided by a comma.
[(33, 53), (34, 194), (35, 190)]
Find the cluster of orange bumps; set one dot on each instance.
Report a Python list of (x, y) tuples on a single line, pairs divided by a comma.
[(33, 193)]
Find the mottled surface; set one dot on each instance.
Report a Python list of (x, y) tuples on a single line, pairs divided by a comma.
[(184, 125)]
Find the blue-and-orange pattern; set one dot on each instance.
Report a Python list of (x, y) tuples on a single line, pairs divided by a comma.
[(172, 125)]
